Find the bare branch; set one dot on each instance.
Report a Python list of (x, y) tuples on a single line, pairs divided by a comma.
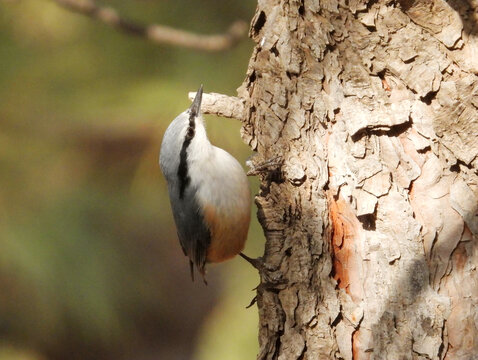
[(221, 105), (158, 34)]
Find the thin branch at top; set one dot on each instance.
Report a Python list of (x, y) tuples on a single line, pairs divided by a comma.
[(221, 105), (158, 34)]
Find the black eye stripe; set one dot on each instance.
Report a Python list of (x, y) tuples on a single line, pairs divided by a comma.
[(192, 116), (183, 173)]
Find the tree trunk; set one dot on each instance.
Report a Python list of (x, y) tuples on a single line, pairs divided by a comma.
[(371, 220)]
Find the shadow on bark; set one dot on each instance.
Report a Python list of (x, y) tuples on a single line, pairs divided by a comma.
[(408, 293), (464, 8), (466, 11)]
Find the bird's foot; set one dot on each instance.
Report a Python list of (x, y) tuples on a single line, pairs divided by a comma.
[(258, 263), (270, 280), (270, 276)]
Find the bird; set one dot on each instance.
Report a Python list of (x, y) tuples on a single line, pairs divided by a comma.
[(208, 191)]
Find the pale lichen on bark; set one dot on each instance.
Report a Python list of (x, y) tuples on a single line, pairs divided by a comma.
[(371, 221)]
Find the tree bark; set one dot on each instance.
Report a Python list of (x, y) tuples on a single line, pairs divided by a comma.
[(371, 221)]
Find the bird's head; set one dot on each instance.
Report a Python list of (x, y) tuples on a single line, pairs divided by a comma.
[(185, 135)]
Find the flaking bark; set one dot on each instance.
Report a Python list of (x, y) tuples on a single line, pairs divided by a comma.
[(371, 221)]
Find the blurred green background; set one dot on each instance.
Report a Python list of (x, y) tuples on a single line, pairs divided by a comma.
[(90, 266)]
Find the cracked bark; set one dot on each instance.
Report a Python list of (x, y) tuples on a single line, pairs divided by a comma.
[(371, 221)]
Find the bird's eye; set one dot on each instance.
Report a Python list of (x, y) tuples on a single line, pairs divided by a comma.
[(190, 133)]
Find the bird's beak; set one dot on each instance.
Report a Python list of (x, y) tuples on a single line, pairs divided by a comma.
[(195, 108)]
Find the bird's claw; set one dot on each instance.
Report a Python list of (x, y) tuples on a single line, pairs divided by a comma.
[(270, 279), (258, 263)]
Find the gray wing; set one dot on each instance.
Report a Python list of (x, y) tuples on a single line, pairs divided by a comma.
[(194, 235)]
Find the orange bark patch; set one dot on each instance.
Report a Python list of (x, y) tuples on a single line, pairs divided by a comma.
[(385, 85), (410, 150), (346, 259), (459, 258), (355, 351), (461, 289)]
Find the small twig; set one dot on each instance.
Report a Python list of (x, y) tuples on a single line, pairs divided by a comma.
[(158, 34), (221, 105)]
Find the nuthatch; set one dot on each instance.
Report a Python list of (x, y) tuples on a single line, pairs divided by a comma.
[(208, 190)]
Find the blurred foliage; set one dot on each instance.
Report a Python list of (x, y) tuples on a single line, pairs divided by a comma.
[(90, 267)]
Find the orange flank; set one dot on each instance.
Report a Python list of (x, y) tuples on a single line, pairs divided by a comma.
[(228, 233)]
